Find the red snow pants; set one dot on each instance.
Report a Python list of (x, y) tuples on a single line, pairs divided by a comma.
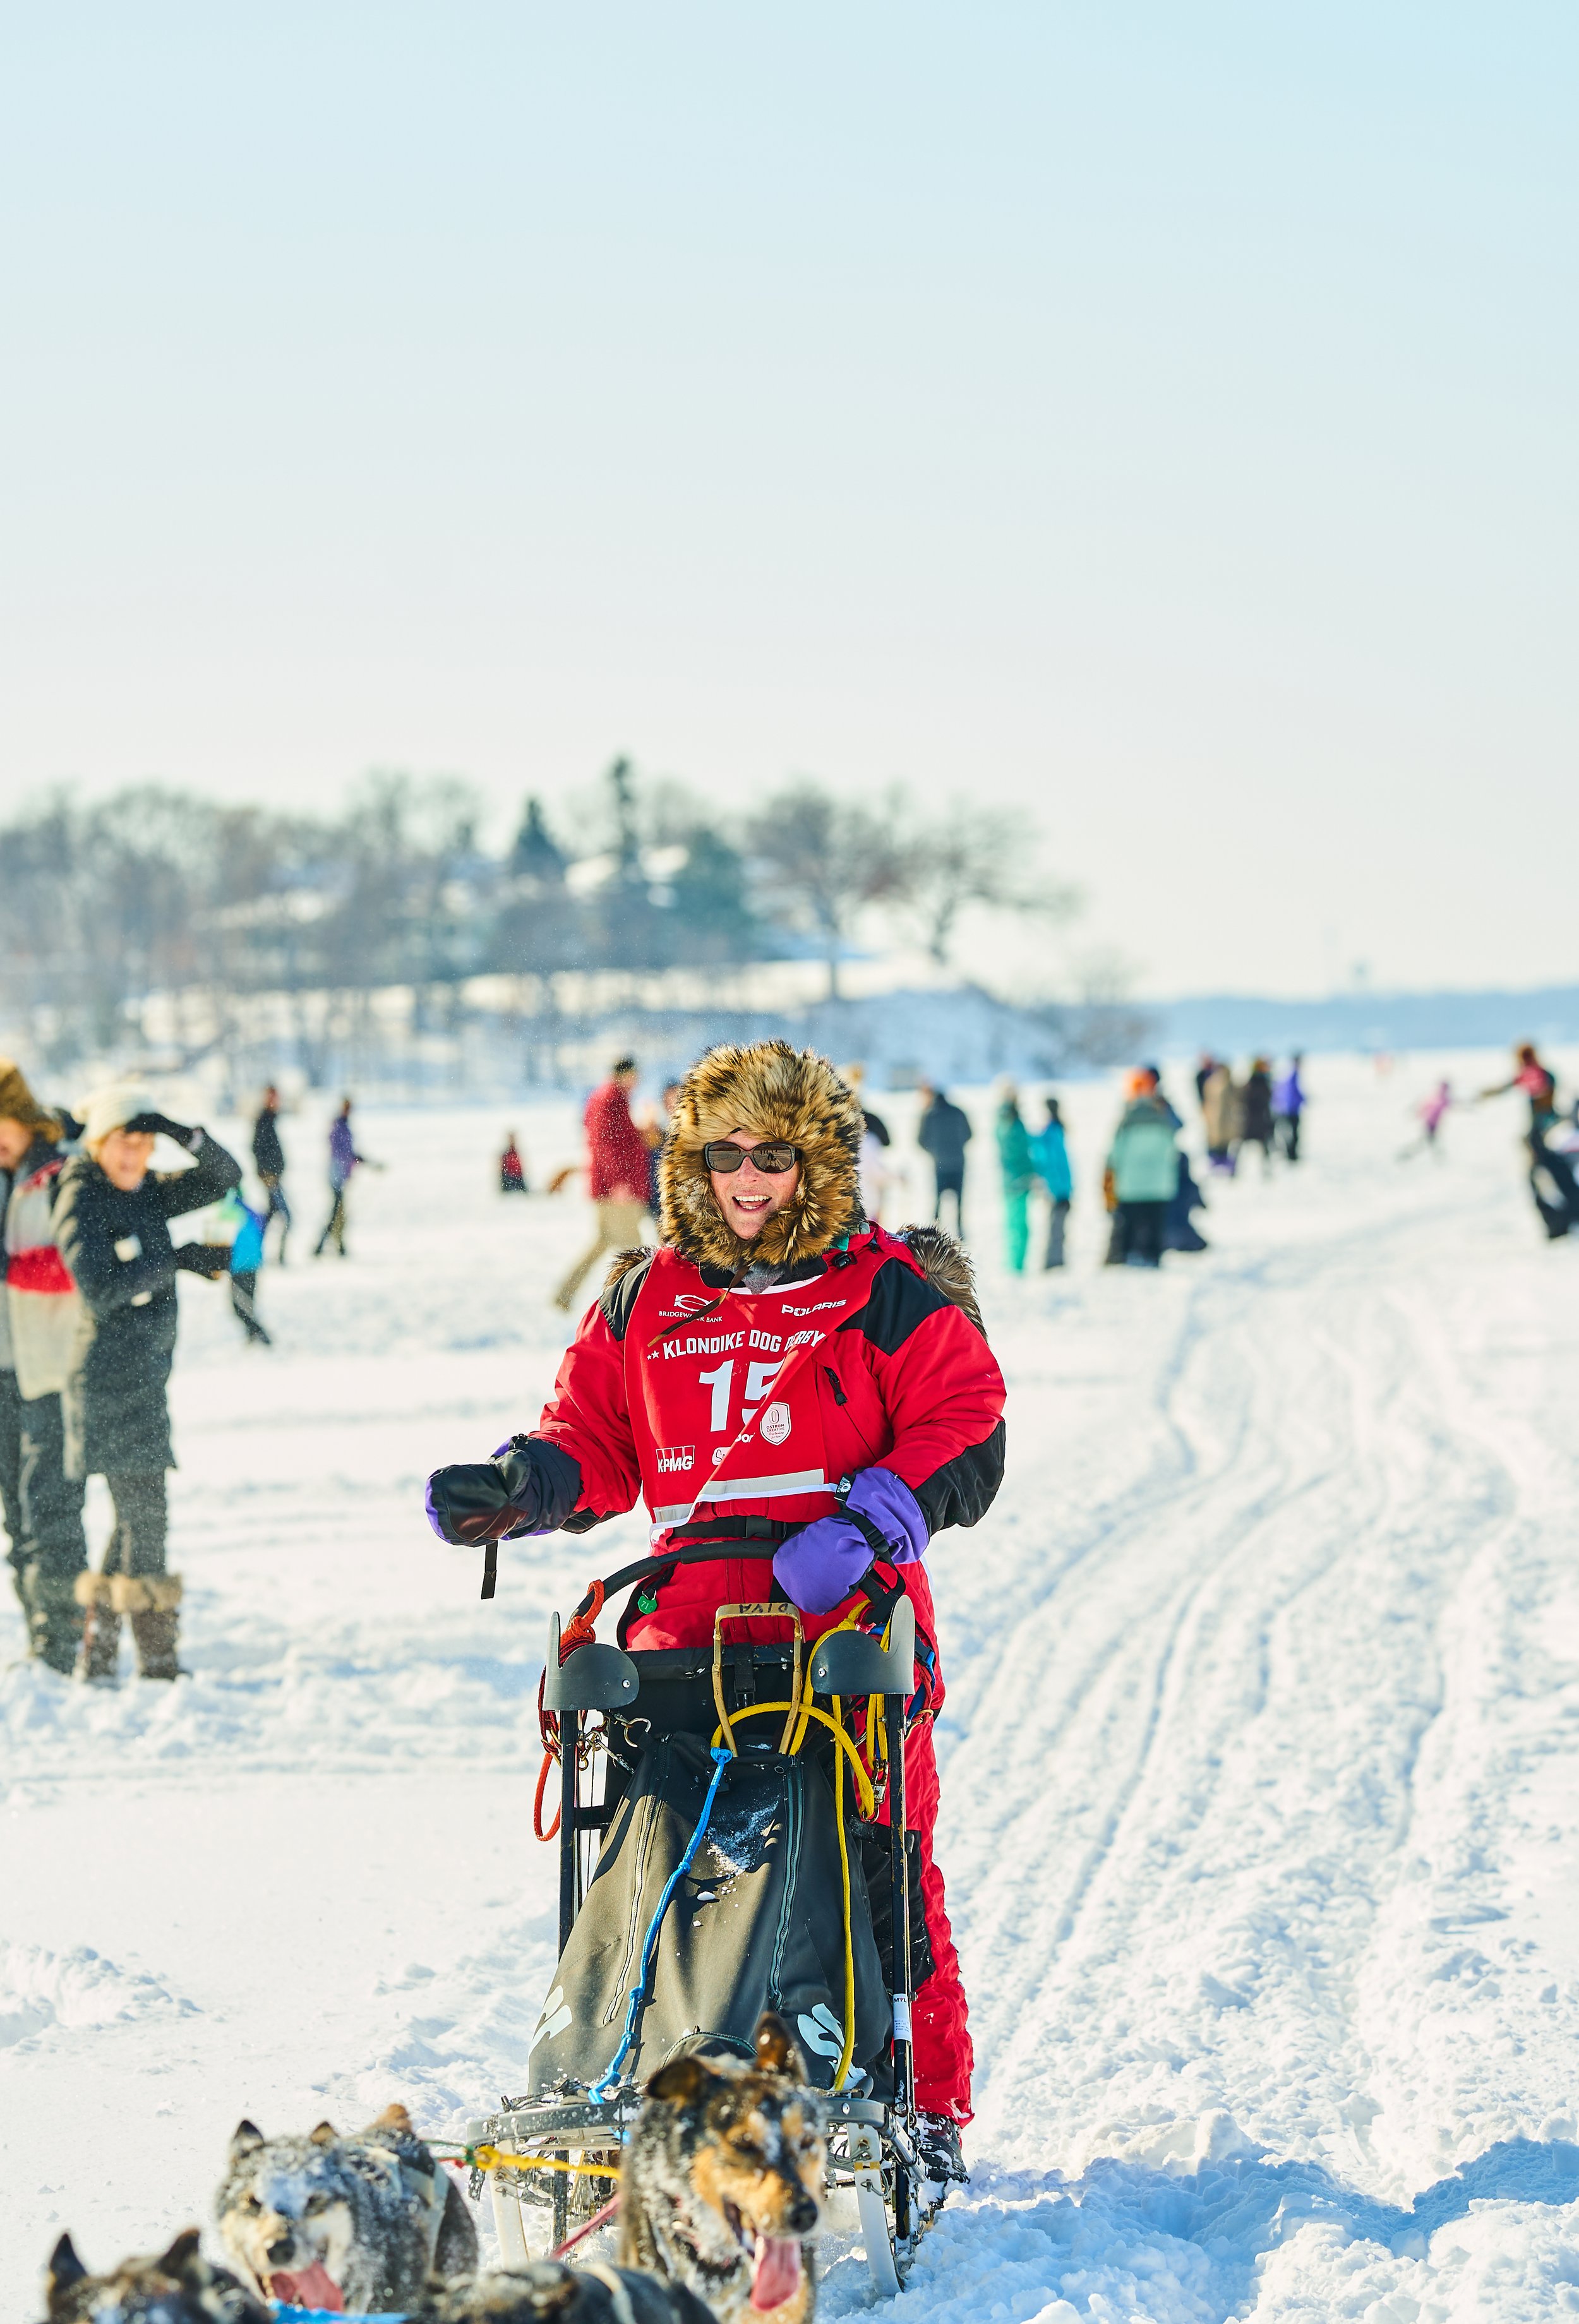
[(939, 2026)]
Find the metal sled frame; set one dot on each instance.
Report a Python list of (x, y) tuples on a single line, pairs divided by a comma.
[(569, 2142)]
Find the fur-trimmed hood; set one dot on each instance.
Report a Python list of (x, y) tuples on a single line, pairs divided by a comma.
[(770, 1091)]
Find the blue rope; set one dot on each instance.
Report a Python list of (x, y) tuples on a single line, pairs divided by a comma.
[(636, 2001), (285, 2314)]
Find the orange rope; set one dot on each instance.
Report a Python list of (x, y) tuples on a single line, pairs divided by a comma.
[(581, 1630)]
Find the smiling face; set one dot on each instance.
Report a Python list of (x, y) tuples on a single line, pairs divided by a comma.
[(748, 1197)]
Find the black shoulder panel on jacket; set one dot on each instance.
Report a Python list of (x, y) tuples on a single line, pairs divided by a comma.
[(899, 1301), (964, 1490), (619, 1297)]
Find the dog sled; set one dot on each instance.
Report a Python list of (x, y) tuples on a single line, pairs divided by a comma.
[(721, 1854)]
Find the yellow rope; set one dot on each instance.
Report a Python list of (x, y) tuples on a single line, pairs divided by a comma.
[(498, 2158), (863, 1790), (867, 1800)]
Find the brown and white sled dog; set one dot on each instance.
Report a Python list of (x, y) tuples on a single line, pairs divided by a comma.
[(721, 2187), (177, 2288), (357, 2223)]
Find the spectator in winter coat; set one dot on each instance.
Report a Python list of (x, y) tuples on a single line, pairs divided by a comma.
[(1288, 1107), (1144, 1161), (512, 1168), (1255, 1110), (1552, 1184), (39, 1306), (1220, 1112), (1019, 1173), (892, 1387), (1049, 1151), (943, 1133), (344, 1159), (269, 1162), (112, 1219), (617, 1172)]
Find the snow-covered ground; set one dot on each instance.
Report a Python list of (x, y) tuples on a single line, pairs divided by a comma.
[(1261, 1746)]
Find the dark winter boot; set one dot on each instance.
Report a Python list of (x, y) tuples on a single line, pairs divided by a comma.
[(152, 1602), (942, 2162), (54, 1616), (101, 1629)]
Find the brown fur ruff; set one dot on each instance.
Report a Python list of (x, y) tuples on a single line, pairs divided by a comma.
[(769, 1090), (947, 1265)]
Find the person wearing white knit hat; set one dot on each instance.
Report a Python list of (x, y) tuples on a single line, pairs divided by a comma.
[(113, 1224)]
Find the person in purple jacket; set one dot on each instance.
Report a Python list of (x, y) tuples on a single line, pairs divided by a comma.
[(1288, 1105), (343, 1160)]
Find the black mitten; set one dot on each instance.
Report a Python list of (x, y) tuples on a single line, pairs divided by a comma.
[(160, 1124), (210, 1259), (528, 1486)]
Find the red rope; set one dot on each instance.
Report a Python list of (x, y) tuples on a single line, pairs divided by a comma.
[(599, 2220)]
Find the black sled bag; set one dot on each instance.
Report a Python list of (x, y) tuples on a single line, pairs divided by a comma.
[(757, 1922)]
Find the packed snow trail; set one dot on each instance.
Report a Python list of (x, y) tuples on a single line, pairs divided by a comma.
[(1260, 1753)]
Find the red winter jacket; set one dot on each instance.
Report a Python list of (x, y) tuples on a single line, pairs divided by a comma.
[(672, 1387), (618, 1163)]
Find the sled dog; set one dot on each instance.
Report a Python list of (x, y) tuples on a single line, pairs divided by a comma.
[(547, 2294), (721, 2187), (356, 2223), (175, 2288)]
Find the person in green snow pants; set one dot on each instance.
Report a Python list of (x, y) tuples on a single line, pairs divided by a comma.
[(1019, 1171)]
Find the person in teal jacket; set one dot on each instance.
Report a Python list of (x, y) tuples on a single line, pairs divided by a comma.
[(1019, 1170), (1144, 1162), (1049, 1151)]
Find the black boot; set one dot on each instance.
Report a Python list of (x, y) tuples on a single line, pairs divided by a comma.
[(942, 2162), (54, 1616), (152, 1602)]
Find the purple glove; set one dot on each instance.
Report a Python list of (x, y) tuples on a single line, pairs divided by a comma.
[(818, 1567)]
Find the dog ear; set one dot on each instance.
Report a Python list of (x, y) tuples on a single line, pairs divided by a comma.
[(393, 2118), (245, 2136), (679, 2082), (182, 2253), (65, 2269), (775, 2050), (323, 2134)]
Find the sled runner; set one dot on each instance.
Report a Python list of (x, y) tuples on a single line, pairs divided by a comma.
[(719, 1857)]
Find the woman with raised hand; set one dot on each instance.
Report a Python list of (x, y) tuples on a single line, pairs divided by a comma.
[(112, 1222)]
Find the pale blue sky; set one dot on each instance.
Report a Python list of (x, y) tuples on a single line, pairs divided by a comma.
[(1162, 417)]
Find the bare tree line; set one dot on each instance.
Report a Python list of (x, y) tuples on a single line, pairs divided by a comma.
[(153, 891)]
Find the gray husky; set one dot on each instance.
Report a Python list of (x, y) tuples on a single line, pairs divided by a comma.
[(357, 2223), (175, 2288)]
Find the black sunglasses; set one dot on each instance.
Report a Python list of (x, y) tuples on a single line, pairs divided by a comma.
[(772, 1159)]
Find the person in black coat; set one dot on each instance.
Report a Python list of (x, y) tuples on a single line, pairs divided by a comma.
[(1256, 1110), (112, 1224), (269, 1162), (943, 1133)]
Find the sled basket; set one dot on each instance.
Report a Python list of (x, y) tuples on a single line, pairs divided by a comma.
[(709, 1880)]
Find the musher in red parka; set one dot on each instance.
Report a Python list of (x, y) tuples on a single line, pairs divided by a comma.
[(775, 1336)]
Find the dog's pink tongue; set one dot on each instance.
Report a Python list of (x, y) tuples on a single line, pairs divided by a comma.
[(310, 2287), (775, 2274)]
